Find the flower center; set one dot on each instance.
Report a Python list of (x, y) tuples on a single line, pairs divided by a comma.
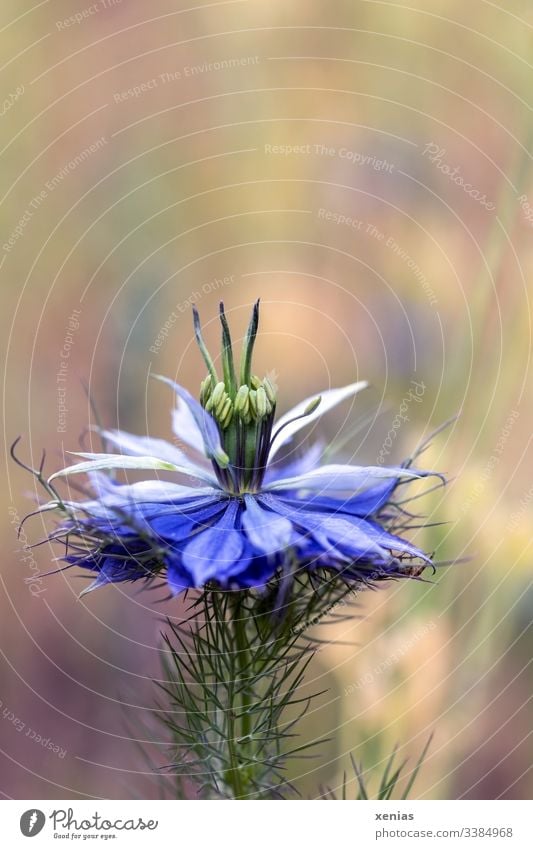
[(244, 409)]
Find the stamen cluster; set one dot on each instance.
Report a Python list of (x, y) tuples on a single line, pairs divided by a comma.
[(243, 409)]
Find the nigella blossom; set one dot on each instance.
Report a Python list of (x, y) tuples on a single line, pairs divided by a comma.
[(244, 516)]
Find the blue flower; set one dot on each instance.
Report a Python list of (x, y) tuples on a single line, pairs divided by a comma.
[(244, 516)]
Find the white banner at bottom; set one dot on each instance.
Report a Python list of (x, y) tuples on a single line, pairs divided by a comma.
[(266, 825)]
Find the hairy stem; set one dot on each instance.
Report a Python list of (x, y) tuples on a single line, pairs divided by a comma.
[(239, 725), (242, 666), (234, 776)]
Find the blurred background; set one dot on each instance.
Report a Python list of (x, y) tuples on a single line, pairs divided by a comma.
[(365, 168)]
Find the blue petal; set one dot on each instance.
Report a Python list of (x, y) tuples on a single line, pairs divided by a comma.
[(117, 563), (363, 504), (151, 511), (266, 531), (217, 553), (152, 490), (393, 542), (349, 536), (178, 578), (185, 427), (289, 424), (341, 478), (173, 521), (206, 423), (99, 462), (177, 527), (147, 446), (308, 461), (259, 569)]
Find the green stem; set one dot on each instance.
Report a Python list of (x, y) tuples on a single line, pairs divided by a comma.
[(235, 777), (242, 665), (239, 732)]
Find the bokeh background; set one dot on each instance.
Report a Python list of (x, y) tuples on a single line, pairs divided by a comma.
[(364, 167)]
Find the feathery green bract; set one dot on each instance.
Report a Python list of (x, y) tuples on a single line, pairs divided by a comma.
[(232, 670), (389, 782)]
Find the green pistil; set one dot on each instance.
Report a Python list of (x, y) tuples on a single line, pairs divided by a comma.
[(248, 347), (203, 348), (227, 356)]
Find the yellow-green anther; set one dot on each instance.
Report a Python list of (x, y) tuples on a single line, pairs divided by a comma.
[(223, 409), (312, 406), (210, 405), (262, 403), (253, 402), (218, 394), (205, 389), (221, 406), (226, 421), (270, 391), (255, 381), (242, 401)]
